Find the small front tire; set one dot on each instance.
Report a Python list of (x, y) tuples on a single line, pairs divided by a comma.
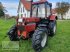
[(13, 34)]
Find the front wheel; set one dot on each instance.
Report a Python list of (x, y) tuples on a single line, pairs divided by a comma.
[(39, 39), (13, 34)]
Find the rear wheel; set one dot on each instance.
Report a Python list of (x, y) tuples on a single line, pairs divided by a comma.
[(39, 39), (53, 27)]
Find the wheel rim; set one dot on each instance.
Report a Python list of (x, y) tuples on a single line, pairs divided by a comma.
[(54, 29), (43, 42)]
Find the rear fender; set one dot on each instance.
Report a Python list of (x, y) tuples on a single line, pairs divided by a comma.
[(42, 25), (53, 17)]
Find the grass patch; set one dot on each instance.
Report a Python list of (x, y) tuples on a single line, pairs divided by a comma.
[(59, 43)]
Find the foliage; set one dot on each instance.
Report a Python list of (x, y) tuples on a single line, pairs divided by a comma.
[(1, 13), (2, 9), (62, 8)]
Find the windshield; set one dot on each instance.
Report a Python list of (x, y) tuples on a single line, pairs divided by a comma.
[(38, 10), (41, 10)]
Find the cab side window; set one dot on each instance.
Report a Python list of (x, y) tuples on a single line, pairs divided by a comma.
[(48, 10)]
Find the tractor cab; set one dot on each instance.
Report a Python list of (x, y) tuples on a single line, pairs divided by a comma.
[(41, 9)]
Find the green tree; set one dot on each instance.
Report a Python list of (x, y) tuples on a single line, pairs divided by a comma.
[(1, 10), (62, 8)]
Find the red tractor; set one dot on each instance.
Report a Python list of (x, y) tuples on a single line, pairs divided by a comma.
[(39, 26)]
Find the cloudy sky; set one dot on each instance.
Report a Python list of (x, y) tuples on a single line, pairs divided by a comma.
[(12, 5)]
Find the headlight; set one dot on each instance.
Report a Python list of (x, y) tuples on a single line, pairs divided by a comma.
[(20, 20)]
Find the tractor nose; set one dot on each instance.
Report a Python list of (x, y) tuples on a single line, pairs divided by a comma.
[(21, 27)]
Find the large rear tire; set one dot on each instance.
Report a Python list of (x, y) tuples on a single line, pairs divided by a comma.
[(13, 33), (52, 27), (39, 39)]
